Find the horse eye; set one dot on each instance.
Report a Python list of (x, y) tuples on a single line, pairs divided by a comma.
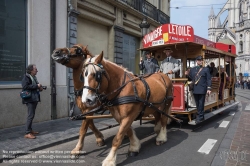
[(93, 74), (86, 73)]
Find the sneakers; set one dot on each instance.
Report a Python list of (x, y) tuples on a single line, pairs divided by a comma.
[(29, 136), (34, 132), (199, 120)]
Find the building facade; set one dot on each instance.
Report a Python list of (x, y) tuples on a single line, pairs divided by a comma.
[(235, 29), (30, 30)]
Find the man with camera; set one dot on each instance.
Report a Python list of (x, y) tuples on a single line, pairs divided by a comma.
[(30, 83)]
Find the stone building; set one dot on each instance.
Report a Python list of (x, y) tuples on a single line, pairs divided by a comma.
[(30, 30), (234, 29)]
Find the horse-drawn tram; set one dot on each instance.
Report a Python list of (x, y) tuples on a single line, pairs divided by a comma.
[(128, 97), (186, 47)]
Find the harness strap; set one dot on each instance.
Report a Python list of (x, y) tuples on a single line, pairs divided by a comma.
[(156, 109), (147, 88), (124, 100), (82, 116)]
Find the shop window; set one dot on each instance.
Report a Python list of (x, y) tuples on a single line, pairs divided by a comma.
[(12, 41)]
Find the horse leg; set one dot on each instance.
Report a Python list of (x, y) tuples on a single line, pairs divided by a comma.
[(83, 130), (135, 144), (162, 135), (99, 136), (157, 127), (110, 160)]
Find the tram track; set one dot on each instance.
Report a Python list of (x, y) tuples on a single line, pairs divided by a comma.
[(243, 94)]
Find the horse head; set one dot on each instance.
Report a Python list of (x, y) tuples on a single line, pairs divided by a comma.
[(95, 79), (71, 57)]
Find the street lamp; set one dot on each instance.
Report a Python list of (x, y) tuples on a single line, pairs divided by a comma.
[(144, 25)]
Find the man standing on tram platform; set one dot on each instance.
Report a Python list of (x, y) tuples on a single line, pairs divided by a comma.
[(202, 85), (169, 65), (149, 65)]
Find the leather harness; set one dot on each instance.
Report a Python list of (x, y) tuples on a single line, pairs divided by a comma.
[(105, 102)]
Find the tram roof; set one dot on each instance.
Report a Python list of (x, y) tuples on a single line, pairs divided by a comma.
[(193, 49)]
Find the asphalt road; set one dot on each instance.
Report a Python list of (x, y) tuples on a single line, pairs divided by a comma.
[(187, 145)]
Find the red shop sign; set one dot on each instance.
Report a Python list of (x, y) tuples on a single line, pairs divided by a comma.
[(169, 33)]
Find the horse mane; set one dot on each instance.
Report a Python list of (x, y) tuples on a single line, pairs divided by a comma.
[(92, 69), (87, 52)]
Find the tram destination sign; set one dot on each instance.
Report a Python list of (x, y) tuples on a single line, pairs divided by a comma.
[(169, 33), (172, 33), (203, 41)]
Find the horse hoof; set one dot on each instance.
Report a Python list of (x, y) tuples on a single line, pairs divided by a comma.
[(133, 154), (74, 156), (100, 143), (159, 142)]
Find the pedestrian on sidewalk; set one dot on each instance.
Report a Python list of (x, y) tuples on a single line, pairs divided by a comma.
[(30, 82)]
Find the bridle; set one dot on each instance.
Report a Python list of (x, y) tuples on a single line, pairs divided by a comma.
[(78, 52), (98, 77)]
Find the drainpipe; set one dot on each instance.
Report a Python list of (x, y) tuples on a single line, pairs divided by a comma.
[(70, 96), (52, 62)]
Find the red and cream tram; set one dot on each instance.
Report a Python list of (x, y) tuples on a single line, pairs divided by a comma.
[(186, 46)]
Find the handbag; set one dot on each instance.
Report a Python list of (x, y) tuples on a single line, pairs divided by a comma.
[(25, 94), (190, 85)]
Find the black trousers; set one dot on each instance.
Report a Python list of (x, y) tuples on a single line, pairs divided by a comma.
[(30, 117), (200, 102)]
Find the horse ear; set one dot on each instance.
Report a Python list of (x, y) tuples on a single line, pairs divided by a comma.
[(99, 58)]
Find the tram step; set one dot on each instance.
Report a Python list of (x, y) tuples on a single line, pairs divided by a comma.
[(213, 113)]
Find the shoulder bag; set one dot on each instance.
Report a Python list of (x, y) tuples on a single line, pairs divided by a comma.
[(25, 94)]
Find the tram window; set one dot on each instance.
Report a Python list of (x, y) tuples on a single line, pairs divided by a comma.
[(190, 63)]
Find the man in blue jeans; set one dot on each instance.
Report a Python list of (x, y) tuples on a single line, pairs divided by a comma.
[(202, 85), (29, 82)]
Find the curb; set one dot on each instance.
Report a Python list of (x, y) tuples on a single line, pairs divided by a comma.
[(107, 124)]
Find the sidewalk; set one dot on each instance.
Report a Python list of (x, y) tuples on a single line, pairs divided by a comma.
[(234, 149), (51, 133)]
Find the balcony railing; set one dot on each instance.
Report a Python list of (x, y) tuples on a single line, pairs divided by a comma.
[(162, 17), (148, 9)]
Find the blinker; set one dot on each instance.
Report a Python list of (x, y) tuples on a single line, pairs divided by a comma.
[(98, 76), (81, 78)]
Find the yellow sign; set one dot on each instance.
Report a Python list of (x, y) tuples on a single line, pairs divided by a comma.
[(165, 37)]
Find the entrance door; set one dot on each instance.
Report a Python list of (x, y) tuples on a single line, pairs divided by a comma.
[(129, 52)]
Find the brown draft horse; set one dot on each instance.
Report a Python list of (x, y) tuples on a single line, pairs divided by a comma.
[(112, 84), (74, 58)]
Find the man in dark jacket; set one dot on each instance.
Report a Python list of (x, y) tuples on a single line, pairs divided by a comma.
[(202, 85), (29, 82), (150, 65)]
